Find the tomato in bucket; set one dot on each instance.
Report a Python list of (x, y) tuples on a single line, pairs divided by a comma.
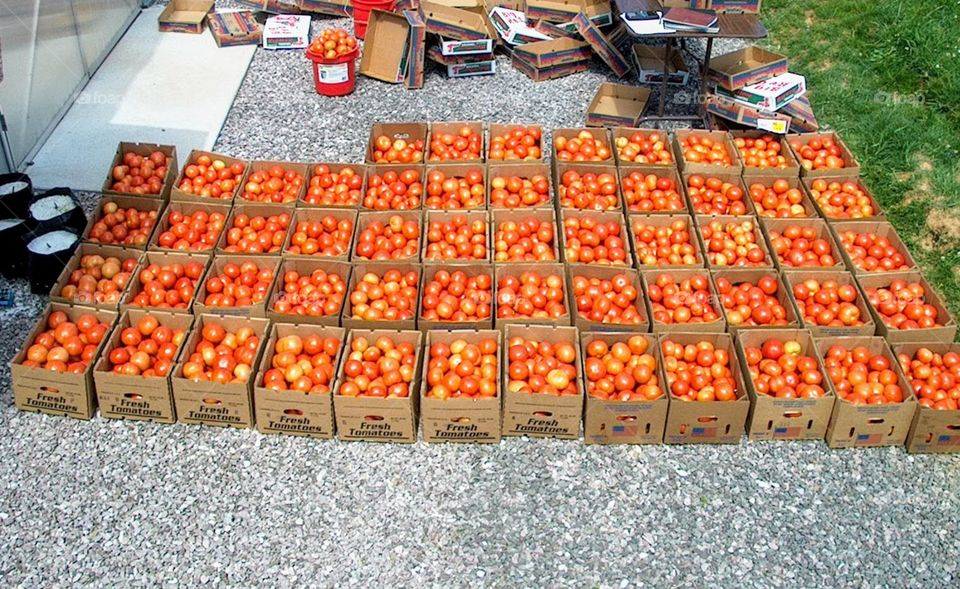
[(334, 55)]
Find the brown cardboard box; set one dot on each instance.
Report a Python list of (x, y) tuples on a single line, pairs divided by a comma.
[(649, 60), (944, 334), (724, 107), (463, 420), (216, 269), (459, 170), (536, 415), (753, 276), (472, 269), (516, 270), (253, 210), (808, 182), (385, 47), (143, 149), (650, 277), (638, 222), (933, 431), (719, 422), (661, 172), (600, 217), (358, 169), (773, 418), (375, 173), (526, 170), (868, 425), (441, 217), (722, 174), (777, 225), (502, 129), (122, 396), (264, 165), (602, 46), (704, 220), (453, 128), (44, 391), (625, 133), (501, 216), (544, 54), (164, 259), (745, 66), (705, 168), (792, 170), (600, 134), (409, 132), (464, 21), (210, 403), (582, 168), (624, 422), (308, 215), (289, 412), (184, 16), (767, 181), (138, 203), (87, 299), (230, 29), (366, 217), (851, 165), (177, 194), (305, 267), (590, 272), (617, 105), (187, 208), (881, 229), (361, 269), (377, 419), (791, 278)]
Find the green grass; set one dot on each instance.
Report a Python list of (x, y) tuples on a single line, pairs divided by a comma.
[(886, 76)]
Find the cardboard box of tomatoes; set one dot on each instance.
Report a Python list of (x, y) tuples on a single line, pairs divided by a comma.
[(936, 425)]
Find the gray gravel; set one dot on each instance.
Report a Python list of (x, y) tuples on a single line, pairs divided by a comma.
[(120, 504)]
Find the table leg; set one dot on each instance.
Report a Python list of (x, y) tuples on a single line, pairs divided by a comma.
[(663, 84), (703, 83)]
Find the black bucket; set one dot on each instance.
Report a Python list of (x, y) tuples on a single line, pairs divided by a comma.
[(47, 255), (16, 194), (13, 248), (56, 209)]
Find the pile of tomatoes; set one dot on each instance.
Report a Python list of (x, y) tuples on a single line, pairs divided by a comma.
[(761, 152), (872, 252), (462, 370), (518, 143), (137, 174), (777, 200), (862, 377), (935, 377), (304, 364), (197, 231), (798, 246), (66, 346), (464, 145), (683, 301), (457, 297), (589, 191), (394, 190), (734, 243), (582, 148), (842, 199), (383, 368), (122, 226), (531, 295), (703, 149), (614, 301), (147, 349), (751, 304), (698, 372), (273, 185), (827, 302), (512, 192), (664, 245), (650, 193), (903, 305), (455, 192), (644, 148), (623, 371), (329, 188), (397, 151), (457, 239), (212, 178), (333, 43), (170, 286), (257, 234), (541, 367), (99, 279), (527, 240), (238, 285), (819, 153), (391, 297), (326, 236), (713, 196), (591, 241), (317, 294), (397, 238), (222, 356), (780, 369)]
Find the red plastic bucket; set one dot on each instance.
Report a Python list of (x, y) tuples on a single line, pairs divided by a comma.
[(334, 77), (361, 13)]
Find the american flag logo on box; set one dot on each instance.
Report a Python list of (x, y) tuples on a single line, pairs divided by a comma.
[(624, 430), (948, 440), (786, 432), (704, 432), (869, 438)]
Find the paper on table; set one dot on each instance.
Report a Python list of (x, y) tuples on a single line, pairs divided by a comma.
[(646, 27)]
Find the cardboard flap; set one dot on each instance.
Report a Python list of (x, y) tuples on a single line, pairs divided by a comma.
[(606, 50), (463, 23), (385, 47)]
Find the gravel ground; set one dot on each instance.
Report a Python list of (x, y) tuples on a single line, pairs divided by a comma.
[(114, 503)]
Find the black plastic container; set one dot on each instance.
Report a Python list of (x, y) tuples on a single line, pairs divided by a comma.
[(16, 194), (56, 209), (47, 254), (13, 248)]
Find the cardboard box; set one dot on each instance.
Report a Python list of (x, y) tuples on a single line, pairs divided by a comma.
[(745, 66), (626, 132), (542, 54), (753, 276), (512, 27), (140, 398), (933, 431), (500, 216), (179, 195), (232, 28), (361, 269), (550, 72), (461, 420), (342, 8), (564, 11), (868, 425), (416, 50), (704, 220), (617, 105), (263, 166), (187, 208), (305, 267), (409, 132), (526, 170), (851, 165), (366, 217), (457, 47), (600, 217), (639, 221), (184, 16), (792, 277), (607, 51), (840, 178), (718, 422), (504, 129), (336, 168), (747, 116), (767, 96), (143, 149), (211, 403), (881, 229), (375, 173), (702, 167), (802, 118), (538, 415), (88, 299), (946, 333), (600, 134), (44, 391), (286, 31), (295, 413), (272, 6), (377, 419), (453, 128), (470, 269), (472, 68), (460, 23), (555, 31), (253, 210), (125, 202), (750, 173), (443, 216), (605, 273), (736, 6), (778, 225), (775, 418), (649, 63), (385, 47), (316, 215), (723, 174), (516, 269), (679, 275), (164, 258), (216, 269), (624, 422), (562, 167), (660, 171)]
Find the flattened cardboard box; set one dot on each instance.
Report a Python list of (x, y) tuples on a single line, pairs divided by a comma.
[(542, 54), (649, 63), (513, 28), (457, 23), (482, 47), (184, 16), (329, 7), (230, 29), (434, 54), (617, 105), (801, 115), (44, 391), (746, 66), (272, 6), (933, 431), (289, 412), (286, 31), (462, 420), (747, 116), (143, 149), (607, 51), (551, 72), (554, 31)]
